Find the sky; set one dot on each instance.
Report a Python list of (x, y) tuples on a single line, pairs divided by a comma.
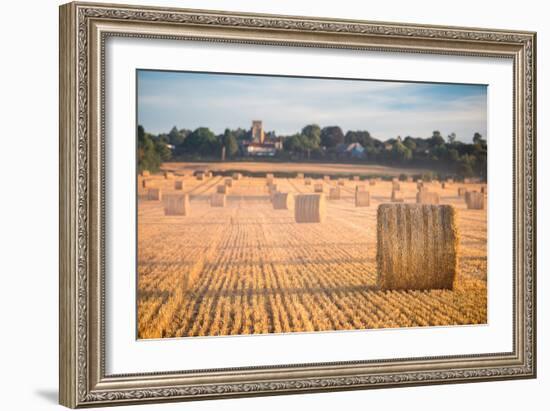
[(287, 104)]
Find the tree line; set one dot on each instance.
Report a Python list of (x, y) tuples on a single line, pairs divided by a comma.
[(319, 144)]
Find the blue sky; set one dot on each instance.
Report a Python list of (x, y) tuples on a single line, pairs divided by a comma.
[(286, 104)]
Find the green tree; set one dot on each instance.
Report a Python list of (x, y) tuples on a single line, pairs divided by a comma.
[(230, 143), (331, 136), (451, 138), (312, 133), (436, 139), (147, 156), (203, 142), (400, 152)]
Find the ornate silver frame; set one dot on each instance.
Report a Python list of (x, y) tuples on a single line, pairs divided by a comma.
[(83, 30)]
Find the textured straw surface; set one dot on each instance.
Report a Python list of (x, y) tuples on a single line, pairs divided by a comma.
[(397, 196), (334, 193), (283, 201), (362, 198), (178, 185), (176, 204), (154, 194), (475, 200), (222, 189), (217, 200), (318, 188), (427, 197), (417, 246), (309, 208)]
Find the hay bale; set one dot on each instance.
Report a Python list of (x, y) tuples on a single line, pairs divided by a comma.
[(427, 197), (395, 186), (145, 183), (318, 188), (362, 199), (269, 176), (217, 200), (341, 182), (443, 185), (309, 208), (475, 200), (334, 193), (208, 174), (356, 178), (372, 182), (307, 181), (178, 185), (228, 182), (461, 192), (237, 176), (484, 189), (168, 175), (176, 204), (300, 175), (282, 201), (222, 189), (145, 173), (467, 181), (154, 194), (272, 188), (419, 184), (326, 178), (397, 197), (200, 176), (268, 181), (417, 247), (360, 188)]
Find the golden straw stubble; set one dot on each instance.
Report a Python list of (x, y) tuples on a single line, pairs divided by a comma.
[(417, 246)]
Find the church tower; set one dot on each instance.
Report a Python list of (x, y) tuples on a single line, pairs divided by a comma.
[(257, 131)]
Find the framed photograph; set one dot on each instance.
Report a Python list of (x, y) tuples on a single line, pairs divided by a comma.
[(260, 204)]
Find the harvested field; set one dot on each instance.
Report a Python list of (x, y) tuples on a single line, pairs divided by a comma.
[(247, 267)]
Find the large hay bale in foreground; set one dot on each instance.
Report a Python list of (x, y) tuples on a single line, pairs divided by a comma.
[(309, 208), (362, 199), (222, 189), (176, 204), (154, 194), (217, 200), (397, 197), (283, 201), (334, 193), (178, 185), (318, 188), (417, 246), (307, 181), (427, 197), (475, 200)]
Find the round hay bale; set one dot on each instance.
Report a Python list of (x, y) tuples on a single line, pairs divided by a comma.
[(176, 204), (318, 188), (417, 246), (427, 197), (217, 200), (154, 194), (309, 208), (475, 200), (283, 201), (334, 193), (362, 198), (178, 185)]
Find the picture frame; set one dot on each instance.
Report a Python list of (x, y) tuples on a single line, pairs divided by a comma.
[(84, 30)]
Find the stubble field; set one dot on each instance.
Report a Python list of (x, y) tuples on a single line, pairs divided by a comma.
[(247, 269)]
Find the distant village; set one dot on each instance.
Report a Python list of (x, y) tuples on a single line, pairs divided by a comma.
[(314, 143)]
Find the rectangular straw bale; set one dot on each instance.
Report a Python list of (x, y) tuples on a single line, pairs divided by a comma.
[(176, 204), (168, 174), (450, 181), (178, 185), (360, 188), (228, 182), (300, 175), (395, 180), (419, 184), (237, 176), (269, 176), (427, 197), (200, 176), (154, 194), (341, 182), (326, 178), (268, 181), (395, 186), (318, 188), (309, 208), (222, 189), (362, 199), (461, 191), (397, 197), (272, 188), (475, 200), (283, 201), (208, 174), (372, 182), (145, 173), (307, 181), (334, 193), (417, 246), (217, 200)]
